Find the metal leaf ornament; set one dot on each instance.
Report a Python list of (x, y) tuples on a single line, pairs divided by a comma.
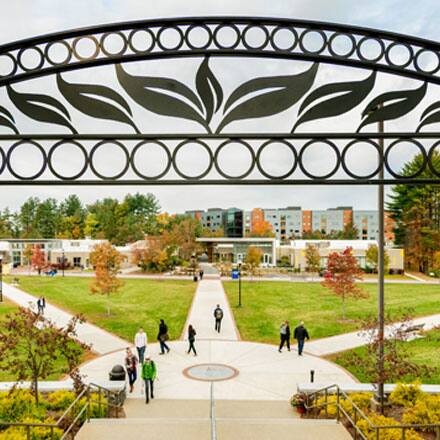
[(209, 90), (143, 90), (430, 116), (41, 108), (87, 98), (399, 104), (289, 90), (7, 121), (349, 95)]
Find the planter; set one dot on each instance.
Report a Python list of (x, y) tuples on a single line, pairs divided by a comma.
[(300, 409)]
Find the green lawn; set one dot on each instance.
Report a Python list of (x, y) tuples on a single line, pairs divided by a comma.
[(266, 304), (424, 351), (60, 367), (139, 303)]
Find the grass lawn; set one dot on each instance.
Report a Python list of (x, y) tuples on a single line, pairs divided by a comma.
[(266, 304), (424, 351), (60, 367), (139, 303)]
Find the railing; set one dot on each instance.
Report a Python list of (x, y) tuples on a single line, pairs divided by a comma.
[(358, 414), (106, 400), (212, 415)]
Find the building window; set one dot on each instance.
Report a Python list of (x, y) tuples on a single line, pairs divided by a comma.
[(76, 261)]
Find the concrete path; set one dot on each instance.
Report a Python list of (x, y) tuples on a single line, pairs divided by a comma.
[(209, 293), (101, 341), (263, 373), (347, 341)]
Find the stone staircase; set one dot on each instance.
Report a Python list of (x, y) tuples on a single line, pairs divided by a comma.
[(191, 420)]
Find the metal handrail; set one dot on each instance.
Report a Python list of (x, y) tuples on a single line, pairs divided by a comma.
[(212, 415), (353, 420), (86, 391)]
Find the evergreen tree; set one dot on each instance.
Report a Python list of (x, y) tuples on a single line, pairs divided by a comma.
[(416, 210)]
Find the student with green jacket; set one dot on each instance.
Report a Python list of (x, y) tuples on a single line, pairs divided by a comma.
[(148, 375)]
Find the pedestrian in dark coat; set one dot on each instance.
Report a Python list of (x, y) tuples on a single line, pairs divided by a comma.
[(218, 315), (301, 335), (191, 339), (162, 337), (201, 273)]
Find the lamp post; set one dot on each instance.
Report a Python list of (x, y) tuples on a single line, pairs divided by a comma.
[(63, 261), (1, 278), (193, 265), (239, 284)]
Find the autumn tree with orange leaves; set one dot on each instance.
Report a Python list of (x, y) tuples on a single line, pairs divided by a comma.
[(38, 260), (341, 275), (261, 228), (107, 263)]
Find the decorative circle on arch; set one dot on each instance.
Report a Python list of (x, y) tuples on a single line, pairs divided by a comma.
[(234, 28), (80, 57), (116, 176), (133, 162), (39, 148), (278, 29), (133, 47), (14, 64), (105, 37), (60, 144), (251, 28), (282, 176), (332, 146), (306, 32), (3, 159), (430, 159), (180, 146), (249, 149), (160, 34), (420, 148), (193, 28), (344, 154), (48, 56), (23, 51), (332, 43)]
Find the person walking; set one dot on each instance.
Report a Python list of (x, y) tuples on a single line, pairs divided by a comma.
[(162, 337), (131, 367), (43, 303), (218, 315), (284, 329), (140, 342), (40, 305), (149, 373), (301, 334), (201, 273), (191, 339)]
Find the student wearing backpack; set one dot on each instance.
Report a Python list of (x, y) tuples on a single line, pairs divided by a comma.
[(218, 315), (191, 339), (148, 374)]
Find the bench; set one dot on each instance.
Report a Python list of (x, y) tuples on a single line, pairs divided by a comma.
[(415, 328)]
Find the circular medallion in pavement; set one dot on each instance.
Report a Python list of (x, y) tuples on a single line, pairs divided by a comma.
[(210, 372)]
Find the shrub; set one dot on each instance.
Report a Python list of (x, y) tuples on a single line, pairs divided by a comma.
[(386, 434), (361, 400), (37, 433), (406, 395), (425, 411), (18, 404), (59, 400)]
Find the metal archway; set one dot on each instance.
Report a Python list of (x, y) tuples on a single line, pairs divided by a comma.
[(205, 37)]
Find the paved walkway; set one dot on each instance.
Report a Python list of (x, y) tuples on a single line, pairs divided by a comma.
[(347, 341), (101, 341), (209, 293)]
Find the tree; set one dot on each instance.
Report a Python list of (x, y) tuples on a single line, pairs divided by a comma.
[(217, 233), (47, 218), (107, 263), (372, 257), (397, 361), (182, 237), (340, 276), (416, 211), (350, 232), (313, 259), (154, 257), (261, 228), (253, 258), (91, 225), (27, 218), (30, 344), (38, 259), (27, 254)]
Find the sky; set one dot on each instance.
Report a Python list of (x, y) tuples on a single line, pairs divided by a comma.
[(27, 18)]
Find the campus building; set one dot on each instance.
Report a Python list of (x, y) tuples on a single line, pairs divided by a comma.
[(76, 253), (293, 222)]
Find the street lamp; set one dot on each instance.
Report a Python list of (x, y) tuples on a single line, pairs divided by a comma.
[(239, 284), (63, 261), (1, 278), (193, 265)]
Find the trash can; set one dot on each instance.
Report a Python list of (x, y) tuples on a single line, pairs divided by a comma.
[(195, 278), (117, 373)]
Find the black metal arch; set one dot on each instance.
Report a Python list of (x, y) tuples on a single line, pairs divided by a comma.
[(268, 28)]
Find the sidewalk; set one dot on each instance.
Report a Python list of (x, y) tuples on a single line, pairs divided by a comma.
[(100, 340), (347, 341), (209, 293)]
